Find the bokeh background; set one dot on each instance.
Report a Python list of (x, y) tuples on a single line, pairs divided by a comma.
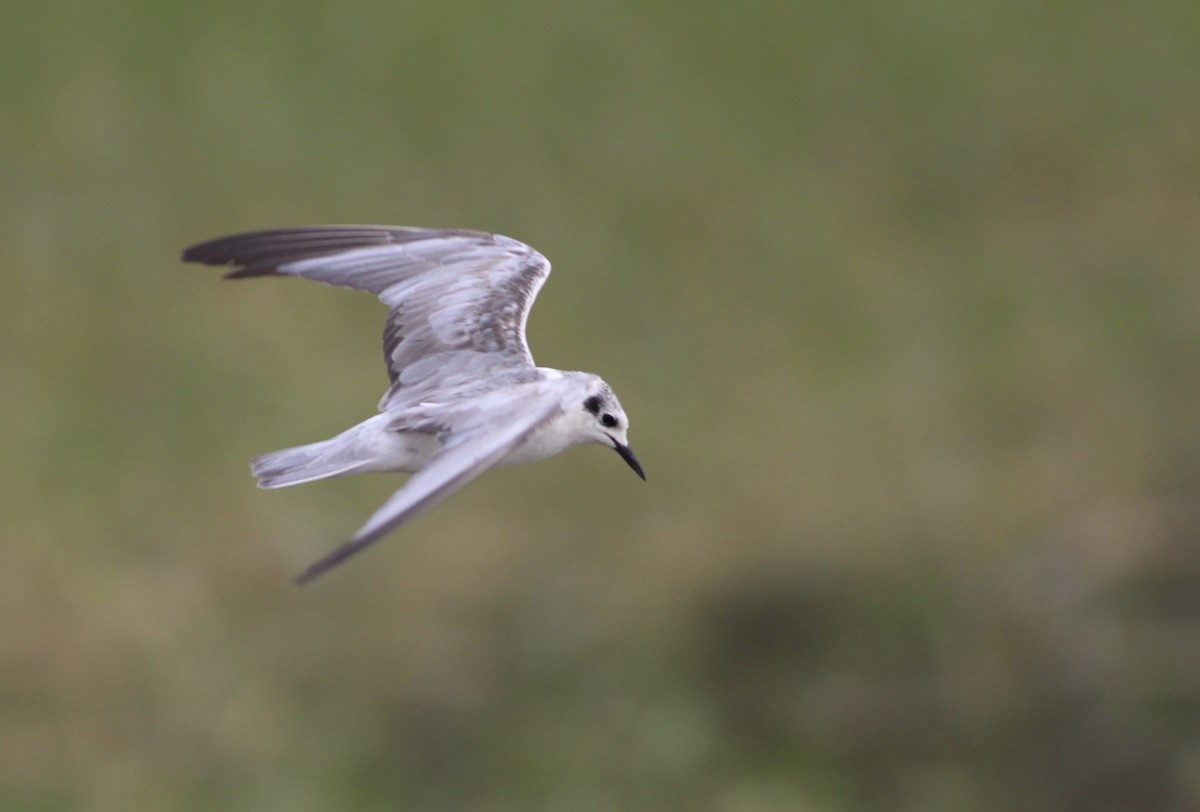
[(901, 296)]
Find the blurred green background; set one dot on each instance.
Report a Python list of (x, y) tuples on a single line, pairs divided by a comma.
[(901, 297)]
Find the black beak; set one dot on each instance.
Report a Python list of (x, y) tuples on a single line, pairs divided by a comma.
[(627, 454)]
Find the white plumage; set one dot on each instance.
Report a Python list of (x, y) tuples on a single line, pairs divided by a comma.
[(465, 395)]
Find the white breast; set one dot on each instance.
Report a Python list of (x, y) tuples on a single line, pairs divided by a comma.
[(553, 438)]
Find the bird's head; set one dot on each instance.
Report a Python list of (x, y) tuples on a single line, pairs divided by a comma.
[(604, 422)]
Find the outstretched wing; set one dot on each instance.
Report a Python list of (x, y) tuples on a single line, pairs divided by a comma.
[(458, 299), (475, 438)]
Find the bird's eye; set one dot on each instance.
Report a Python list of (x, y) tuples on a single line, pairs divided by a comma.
[(607, 420)]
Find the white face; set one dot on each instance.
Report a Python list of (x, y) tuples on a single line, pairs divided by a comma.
[(607, 416), (610, 426)]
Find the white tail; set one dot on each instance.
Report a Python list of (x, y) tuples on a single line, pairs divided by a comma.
[(306, 463)]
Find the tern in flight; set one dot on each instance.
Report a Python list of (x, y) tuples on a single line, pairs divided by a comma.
[(465, 395)]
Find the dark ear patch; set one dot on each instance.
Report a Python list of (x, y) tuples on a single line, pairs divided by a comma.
[(592, 404)]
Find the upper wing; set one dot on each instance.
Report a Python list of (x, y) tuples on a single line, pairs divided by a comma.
[(459, 299), (474, 439)]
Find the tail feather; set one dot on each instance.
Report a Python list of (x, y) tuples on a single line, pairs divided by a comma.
[(306, 463)]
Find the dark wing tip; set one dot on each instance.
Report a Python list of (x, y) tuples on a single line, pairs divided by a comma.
[(248, 269), (340, 554), (260, 253), (322, 566), (246, 273)]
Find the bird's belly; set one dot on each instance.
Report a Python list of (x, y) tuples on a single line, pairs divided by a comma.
[(403, 451)]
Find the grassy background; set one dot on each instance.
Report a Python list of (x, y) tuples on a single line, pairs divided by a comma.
[(902, 299)]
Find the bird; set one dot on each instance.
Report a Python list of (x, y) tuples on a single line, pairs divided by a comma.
[(464, 394)]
